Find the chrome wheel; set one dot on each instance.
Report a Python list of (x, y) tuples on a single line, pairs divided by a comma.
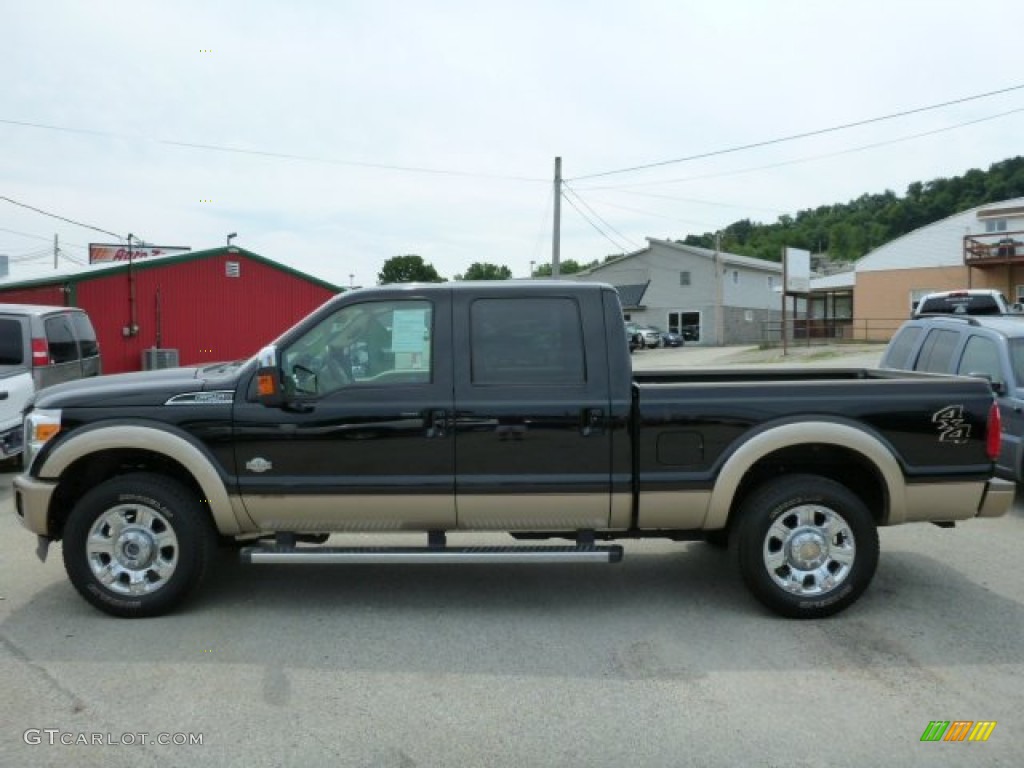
[(809, 550), (132, 549), (806, 545)]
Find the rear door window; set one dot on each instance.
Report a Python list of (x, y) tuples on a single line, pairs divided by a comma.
[(535, 341), (12, 346), (937, 351), (61, 339)]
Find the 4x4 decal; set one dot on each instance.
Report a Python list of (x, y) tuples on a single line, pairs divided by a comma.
[(952, 427)]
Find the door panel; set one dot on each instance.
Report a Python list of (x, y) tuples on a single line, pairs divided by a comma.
[(366, 444), (533, 447)]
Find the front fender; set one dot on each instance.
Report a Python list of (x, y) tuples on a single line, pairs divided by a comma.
[(153, 440)]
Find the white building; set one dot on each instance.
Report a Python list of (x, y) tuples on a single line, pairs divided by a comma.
[(672, 286)]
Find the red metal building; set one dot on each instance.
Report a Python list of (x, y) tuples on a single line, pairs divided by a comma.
[(209, 306)]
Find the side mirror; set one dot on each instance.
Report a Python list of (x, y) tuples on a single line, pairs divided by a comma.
[(269, 387)]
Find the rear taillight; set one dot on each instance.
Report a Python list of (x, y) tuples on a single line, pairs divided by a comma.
[(40, 352), (994, 432)]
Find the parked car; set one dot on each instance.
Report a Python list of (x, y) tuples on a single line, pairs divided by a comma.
[(670, 338), (39, 346), (971, 301), (651, 336), (990, 347)]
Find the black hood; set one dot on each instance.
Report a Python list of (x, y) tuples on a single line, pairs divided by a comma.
[(139, 389)]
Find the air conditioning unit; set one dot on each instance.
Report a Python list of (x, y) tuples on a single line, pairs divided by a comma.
[(154, 358)]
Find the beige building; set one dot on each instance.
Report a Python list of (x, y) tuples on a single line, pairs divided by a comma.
[(979, 248)]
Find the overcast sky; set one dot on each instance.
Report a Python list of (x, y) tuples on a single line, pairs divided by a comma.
[(332, 136)]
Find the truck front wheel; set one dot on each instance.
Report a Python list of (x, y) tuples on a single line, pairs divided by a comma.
[(807, 546), (137, 545)]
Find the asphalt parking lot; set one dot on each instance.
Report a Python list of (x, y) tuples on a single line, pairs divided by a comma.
[(662, 660)]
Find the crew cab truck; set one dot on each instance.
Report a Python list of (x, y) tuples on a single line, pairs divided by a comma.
[(496, 407)]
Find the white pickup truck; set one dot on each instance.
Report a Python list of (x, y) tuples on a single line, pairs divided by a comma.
[(16, 389)]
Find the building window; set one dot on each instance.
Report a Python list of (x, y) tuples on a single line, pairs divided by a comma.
[(684, 278), (771, 283), (995, 225), (735, 276)]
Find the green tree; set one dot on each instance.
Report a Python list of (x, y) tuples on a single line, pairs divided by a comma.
[(485, 271), (567, 267), (409, 268)]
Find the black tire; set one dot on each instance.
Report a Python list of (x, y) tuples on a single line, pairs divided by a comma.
[(149, 534), (839, 543)]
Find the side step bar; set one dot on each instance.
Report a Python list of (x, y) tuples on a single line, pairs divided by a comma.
[(349, 555)]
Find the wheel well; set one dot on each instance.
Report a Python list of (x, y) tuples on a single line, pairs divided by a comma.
[(89, 471), (842, 465)]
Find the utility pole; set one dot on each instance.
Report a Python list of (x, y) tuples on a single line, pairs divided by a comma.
[(719, 293), (556, 244), (56, 250)]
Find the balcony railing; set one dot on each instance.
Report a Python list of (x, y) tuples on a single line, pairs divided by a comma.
[(994, 248)]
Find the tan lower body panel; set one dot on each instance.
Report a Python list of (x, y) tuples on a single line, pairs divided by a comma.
[(942, 501), (326, 514), (544, 511), (679, 510)]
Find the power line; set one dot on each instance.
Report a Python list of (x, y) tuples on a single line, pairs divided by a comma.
[(24, 234), (276, 155), (804, 135), (628, 188), (61, 218), (600, 231), (598, 216)]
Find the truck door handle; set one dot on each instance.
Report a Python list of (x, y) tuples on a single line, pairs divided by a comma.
[(592, 420), (436, 423)]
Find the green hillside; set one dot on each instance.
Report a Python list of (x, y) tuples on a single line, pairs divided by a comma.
[(846, 231)]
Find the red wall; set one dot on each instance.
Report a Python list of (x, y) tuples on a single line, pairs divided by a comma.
[(53, 295), (204, 314)]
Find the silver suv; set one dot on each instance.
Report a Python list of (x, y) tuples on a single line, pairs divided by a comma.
[(990, 347), (39, 346)]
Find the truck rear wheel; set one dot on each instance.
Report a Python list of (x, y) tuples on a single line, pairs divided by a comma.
[(138, 544), (807, 546)]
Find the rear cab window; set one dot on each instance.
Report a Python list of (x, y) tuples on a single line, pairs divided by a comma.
[(898, 355), (981, 356), (86, 334), (61, 339)]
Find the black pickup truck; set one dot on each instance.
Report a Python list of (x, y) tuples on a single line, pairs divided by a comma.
[(494, 407)]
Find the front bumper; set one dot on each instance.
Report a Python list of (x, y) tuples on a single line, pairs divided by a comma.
[(997, 498), (32, 503)]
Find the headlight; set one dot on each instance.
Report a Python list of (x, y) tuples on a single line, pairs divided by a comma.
[(40, 426)]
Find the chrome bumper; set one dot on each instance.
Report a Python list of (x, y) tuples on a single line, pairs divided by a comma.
[(997, 498), (32, 503)]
